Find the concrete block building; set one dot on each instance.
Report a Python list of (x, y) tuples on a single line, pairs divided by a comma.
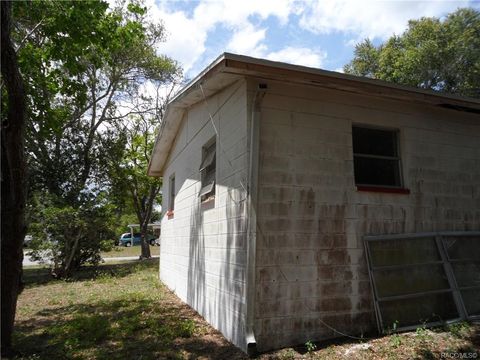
[(273, 173)]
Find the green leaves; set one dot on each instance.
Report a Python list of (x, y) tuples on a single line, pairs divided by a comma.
[(129, 172), (73, 236), (82, 64), (365, 62), (430, 54), (86, 68), (136, 9)]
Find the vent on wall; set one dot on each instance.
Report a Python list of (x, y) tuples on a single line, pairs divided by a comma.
[(424, 279)]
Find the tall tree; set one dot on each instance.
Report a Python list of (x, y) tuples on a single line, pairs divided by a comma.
[(441, 55), (12, 179), (128, 173), (87, 69), (92, 68)]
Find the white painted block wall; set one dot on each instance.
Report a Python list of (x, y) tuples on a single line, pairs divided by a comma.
[(202, 257), (311, 268)]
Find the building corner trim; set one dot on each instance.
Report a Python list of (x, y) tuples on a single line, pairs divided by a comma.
[(251, 343)]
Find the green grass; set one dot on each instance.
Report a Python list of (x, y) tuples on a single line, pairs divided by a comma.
[(460, 330), (122, 311), (129, 251), (118, 311)]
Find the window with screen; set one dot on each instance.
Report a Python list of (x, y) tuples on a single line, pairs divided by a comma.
[(208, 170), (376, 157)]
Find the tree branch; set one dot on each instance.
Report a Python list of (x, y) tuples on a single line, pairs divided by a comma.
[(30, 33)]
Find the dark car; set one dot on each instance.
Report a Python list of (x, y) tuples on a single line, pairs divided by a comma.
[(126, 239)]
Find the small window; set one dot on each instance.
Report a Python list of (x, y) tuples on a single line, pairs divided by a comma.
[(208, 170), (376, 157), (171, 193)]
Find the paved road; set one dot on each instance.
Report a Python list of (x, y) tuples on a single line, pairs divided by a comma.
[(28, 262), (125, 258)]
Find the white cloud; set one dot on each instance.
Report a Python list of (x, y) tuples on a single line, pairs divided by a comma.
[(369, 18), (243, 26), (247, 40), (298, 56), (187, 34), (185, 39), (236, 13)]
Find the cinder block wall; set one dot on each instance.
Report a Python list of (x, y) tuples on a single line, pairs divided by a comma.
[(311, 267), (203, 248)]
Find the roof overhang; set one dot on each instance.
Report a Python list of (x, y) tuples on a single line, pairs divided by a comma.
[(228, 68)]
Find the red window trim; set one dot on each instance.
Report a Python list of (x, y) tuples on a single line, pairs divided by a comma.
[(383, 189)]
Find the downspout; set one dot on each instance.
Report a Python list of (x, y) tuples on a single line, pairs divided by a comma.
[(252, 217)]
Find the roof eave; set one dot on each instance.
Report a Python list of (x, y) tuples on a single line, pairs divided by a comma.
[(240, 65), (173, 118), (245, 65)]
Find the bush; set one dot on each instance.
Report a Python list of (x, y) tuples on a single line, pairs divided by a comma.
[(70, 237)]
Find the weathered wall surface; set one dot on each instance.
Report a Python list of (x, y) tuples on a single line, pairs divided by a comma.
[(311, 268), (202, 255)]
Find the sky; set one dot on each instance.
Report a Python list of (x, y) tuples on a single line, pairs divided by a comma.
[(315, 33)]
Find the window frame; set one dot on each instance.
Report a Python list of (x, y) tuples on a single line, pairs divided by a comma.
[(206, 171), (171, 193), (400, 188)]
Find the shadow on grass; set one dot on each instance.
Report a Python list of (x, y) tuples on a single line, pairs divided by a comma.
[(127, 325), (132, 327), (41, 275)]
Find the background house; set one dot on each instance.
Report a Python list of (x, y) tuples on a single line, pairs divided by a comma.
[(273, 173)]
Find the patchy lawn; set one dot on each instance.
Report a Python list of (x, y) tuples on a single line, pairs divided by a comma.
[(122, 311), (129, 251), (456, 341)]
